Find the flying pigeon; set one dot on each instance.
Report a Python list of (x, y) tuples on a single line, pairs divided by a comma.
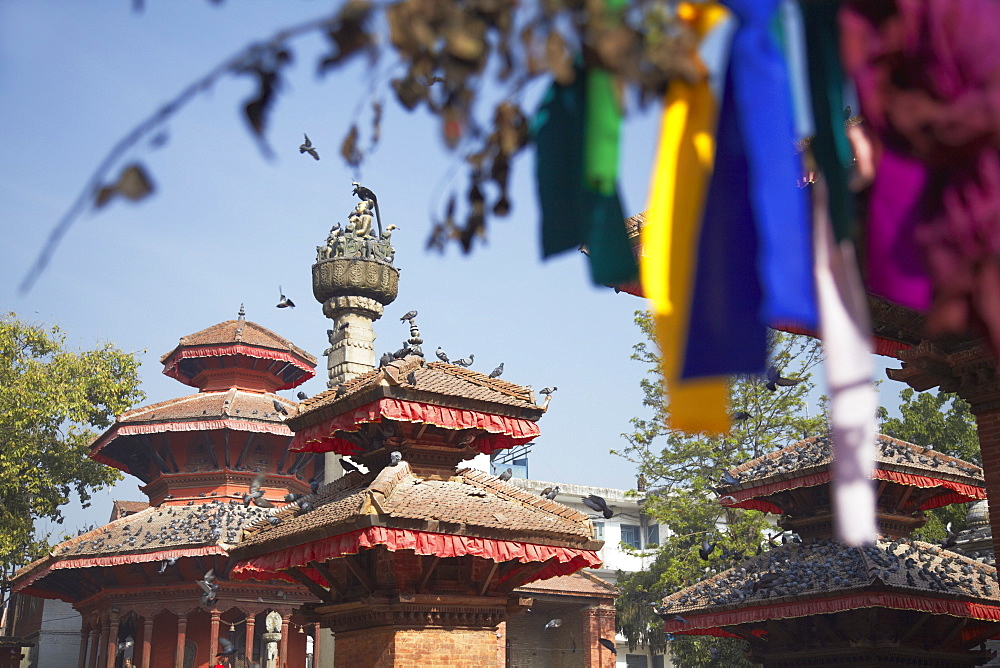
[(774, 380), (228, 648), (348, 465), (167, 562), (706, 549), (208, 588), (950, 537), (395, 457), (124, 645), (302, 396), (284, 302), (741, 416), (598, 504), (256, 495), (506, 475), (465, 361), (442, 355), (307, 147), (497, 371), (410, 315), (554, 623), (678, 618), (547, 390), (280, 407), (608, 644)]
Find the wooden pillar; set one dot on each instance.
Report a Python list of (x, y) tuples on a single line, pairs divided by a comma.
[(213, 638), (181, 640), (283, 643), (316, 654), (248, 650), (112, 643), (147, 641), (102, 644), (95, 642), (81, 661)]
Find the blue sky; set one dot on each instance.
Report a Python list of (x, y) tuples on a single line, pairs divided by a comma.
[(226, 226)]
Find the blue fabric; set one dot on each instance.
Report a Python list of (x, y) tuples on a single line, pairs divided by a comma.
[(755, 263)]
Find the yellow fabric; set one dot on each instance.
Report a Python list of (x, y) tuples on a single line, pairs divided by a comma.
[(670, 236)]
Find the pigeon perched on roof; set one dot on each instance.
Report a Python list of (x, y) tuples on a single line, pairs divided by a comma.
[(385, 360), (497, 371), (550, 493), (729, 479), (548, 390), (395, 457), (256, 494), (307, 147), (442, 355), (280, 407), (465, 361), (410, 315), (302, 396), (506, 475), (284, 302), (315, 483), (598, 504)]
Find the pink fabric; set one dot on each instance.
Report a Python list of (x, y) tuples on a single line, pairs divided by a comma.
[(714, 623), (503, 432), (564, 560), (170, 365)]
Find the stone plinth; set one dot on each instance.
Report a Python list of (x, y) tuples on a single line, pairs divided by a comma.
[(418, 646)]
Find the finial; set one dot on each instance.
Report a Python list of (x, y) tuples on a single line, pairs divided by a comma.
[(243, 312)]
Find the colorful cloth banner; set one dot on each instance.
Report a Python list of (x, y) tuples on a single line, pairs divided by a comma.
[(669, 238)]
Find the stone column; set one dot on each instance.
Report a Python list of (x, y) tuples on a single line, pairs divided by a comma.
[(147, 640), (248, 649), (213, 637), (95, 642), (111, 642), (181, 639), (81, 661), (283, 645), (598, 622)]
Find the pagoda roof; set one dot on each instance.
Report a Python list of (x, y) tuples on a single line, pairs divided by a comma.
[(580, 583), (826, 576), (470, 512), (153, 534), (239, 337), (413, 390), (807, 463), (231, 409)]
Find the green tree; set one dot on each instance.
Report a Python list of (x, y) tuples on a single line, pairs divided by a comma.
[(945, 422), (51, 402), (682, 472)]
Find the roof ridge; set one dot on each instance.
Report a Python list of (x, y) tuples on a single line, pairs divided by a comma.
[(500, 487)]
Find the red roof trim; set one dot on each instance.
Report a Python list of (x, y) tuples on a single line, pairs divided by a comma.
[(231, 349), (564, 560), (751, 499), (115, 560), (505, 432), (712, 623)]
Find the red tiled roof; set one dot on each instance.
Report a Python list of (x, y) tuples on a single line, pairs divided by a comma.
[(240, 331), (580, 583)]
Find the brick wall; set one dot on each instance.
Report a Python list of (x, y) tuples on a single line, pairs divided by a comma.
[(531, 645), (426, 648), (988, 428)]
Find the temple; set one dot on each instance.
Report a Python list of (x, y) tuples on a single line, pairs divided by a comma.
[(135, 580), (814, 601)]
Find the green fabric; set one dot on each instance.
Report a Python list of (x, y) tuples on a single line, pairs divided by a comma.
[(574, 215), (826, 86), (602, 129)]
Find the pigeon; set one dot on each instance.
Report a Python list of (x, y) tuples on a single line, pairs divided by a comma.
[(292, 498), (208, 588), (348, 466), (741, 416), (550, 493), (597, 503), (385, 360), (307, 147), (442, 355), (506, 475), (315, 483), (547, 390), (124, 645), (284, 302), (228, 648), (608, 644), (465, 361), (364, 193), (678, 618), (302, 396), (774, 379), (256, 494), (410, 315), (395, 457), (554, 623), (706, 549), (172, 561), (280, 407), (497, 371), (950, 537), (729, 479), (305, 506)]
